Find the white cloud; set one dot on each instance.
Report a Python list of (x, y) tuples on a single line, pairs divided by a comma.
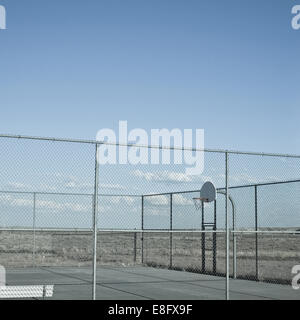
[(77, 207), (57, 182), (244, 178), (164, 200), (121, 199), (161, 200), (17, 186), (179, 199), (13, 201), (164, 176), (173, 177), (111, 186), (71, 182)]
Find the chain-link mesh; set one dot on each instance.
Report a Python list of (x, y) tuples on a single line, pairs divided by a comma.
[(267, 215), (46, 215), (145, 219)]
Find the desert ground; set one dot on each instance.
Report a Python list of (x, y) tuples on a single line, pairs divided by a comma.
[(276, 254)]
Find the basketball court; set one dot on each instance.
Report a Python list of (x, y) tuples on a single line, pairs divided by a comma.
[(144, 283)]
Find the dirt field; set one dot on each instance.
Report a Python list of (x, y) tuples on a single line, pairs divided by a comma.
[(277, 253)]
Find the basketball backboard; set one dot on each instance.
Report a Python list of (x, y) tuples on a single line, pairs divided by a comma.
[(208, 192)]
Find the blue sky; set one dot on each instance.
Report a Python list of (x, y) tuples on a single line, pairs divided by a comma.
[(70, 68)]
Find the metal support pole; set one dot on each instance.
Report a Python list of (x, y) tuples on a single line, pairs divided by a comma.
[(203, 238), (34, 227), (234, 239), (95, 222), (142, 239), (256, 236), (134, 247), (227, 226), (234, 234), (215, 240), (171, 228)]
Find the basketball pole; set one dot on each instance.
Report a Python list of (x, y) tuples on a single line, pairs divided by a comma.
[(227, 227)]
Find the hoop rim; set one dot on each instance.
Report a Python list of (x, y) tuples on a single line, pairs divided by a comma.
[(199, 202), (202, 199)]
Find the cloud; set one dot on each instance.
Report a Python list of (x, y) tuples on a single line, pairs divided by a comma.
[(111, 186), (121, 199), (72, 182), (156, 212), (17, 186), (20, 186), (164, 200), (164, 176), (76, 207), (174, 177), (244, 178), (13, 201), (58, 182), (179, 199)]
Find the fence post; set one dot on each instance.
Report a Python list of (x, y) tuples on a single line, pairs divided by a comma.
[(234, 253), (34, 226), (134, 247), (227, 225), (95, 221), (256, 235), (203, 234), (215, 240), (142, 239), (171, 228)]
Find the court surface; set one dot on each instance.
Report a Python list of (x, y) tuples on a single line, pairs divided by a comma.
[(144, 283)]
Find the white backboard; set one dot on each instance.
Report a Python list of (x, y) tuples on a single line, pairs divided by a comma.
[(208, 191)]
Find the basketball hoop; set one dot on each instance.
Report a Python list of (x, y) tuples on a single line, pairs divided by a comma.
[(198, 202)]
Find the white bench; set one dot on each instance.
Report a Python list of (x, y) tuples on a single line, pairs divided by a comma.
[(21, 292)]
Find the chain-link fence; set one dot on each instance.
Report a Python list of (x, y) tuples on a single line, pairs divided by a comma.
[(264, 228), (87, 224)]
